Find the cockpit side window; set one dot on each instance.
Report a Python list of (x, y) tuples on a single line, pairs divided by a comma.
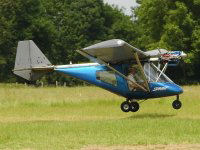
[(154, 74), (107, 77)]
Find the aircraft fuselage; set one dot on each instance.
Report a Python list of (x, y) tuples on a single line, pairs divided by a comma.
[(118, 85)]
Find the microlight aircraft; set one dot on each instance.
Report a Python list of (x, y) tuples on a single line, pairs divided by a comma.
[(112, 60)]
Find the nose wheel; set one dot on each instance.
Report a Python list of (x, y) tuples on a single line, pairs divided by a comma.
[(130, 106), (177, 103)]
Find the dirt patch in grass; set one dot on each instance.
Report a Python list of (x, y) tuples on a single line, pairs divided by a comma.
[(147, 147)]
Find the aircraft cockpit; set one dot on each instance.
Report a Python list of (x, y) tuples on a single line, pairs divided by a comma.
[(145, 74)]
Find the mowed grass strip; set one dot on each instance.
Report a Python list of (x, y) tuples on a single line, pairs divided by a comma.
[(73, 118)]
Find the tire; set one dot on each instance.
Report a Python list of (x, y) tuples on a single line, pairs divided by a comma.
[(176, 104), (134, 106), (125, 106)]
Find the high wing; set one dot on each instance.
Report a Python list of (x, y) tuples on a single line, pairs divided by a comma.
[(113, 51), (116, 51), (156, 52)]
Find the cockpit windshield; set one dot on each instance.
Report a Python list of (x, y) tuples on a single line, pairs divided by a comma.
[(154, 74)]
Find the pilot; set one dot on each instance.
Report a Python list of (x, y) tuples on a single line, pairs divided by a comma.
[(131, 74)]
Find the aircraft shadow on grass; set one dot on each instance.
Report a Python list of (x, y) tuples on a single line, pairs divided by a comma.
[(151, 116)]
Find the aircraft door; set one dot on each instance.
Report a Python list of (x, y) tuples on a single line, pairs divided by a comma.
[(136, 76)]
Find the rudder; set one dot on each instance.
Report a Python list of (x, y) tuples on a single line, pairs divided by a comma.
[(28, 58)]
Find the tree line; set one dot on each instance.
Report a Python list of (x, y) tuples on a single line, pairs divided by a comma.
[(59, 27)]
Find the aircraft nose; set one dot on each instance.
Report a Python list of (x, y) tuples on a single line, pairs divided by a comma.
[(175, 89)]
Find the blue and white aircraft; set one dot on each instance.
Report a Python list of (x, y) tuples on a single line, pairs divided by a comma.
[(112, 62)]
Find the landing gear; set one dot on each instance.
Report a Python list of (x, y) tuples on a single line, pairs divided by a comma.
[(177, 103), (135, 106), (125, 106), (130, 106)]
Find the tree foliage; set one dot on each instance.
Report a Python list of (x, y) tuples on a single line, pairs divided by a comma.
[(174, 25), (58, 27)]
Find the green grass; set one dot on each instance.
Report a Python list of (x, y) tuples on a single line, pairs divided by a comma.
[(72, 118)]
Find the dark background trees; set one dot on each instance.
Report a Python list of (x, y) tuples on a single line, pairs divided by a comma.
[(59, 27), (173, 25)]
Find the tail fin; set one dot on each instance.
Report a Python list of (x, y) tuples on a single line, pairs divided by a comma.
[(30, 62)]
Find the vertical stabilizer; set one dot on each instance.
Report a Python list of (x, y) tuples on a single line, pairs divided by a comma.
[(28, 58)]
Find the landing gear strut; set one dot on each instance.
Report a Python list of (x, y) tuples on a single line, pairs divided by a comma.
[(177, 103), (130, 106)]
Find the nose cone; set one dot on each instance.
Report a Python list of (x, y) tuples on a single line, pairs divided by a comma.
[(175, 89)]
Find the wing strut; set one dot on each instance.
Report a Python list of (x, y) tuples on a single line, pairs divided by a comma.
[(163, 71), (113, 69), (142, 70)]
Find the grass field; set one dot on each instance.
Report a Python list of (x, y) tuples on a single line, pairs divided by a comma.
[(85, 117)]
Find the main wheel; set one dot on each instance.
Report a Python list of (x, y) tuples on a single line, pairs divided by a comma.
[(125, 106), (135, 106), (176, 104)]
